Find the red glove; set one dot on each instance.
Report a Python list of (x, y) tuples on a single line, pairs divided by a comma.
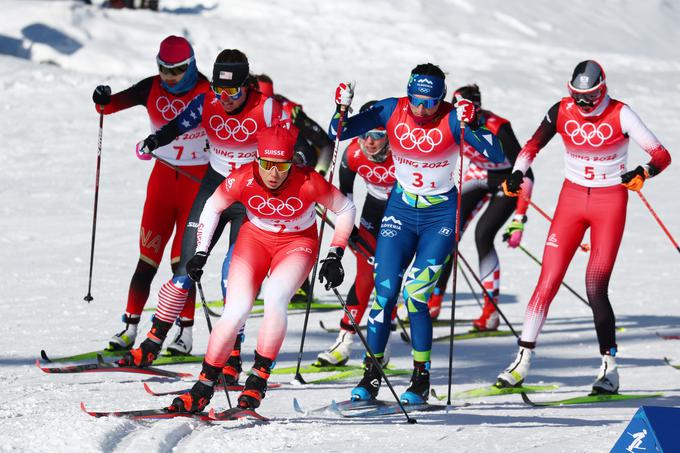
[(465, 111), (344, 94)]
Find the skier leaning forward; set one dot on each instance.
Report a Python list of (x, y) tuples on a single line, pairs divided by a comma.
[(424, 134), (278, 237), (169, 194), (231, 114), (595, 130)]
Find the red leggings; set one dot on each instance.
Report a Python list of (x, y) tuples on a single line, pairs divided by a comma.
[(603, 210), (169, 197), (289, 258)]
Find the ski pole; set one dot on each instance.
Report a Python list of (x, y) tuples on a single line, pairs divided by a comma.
[(585, 247), (472, 290), (177, 169), (89, 297), (571, 290), (373, 358), (310, 295), (658, 220), (207, 319), (486, 293), (455, 257)]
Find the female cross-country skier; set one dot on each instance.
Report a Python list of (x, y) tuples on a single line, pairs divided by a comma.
[(595, 130), (424, 134), (169, 194), (279, 238)]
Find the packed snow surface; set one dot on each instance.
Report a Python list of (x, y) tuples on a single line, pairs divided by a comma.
[(53, 54)]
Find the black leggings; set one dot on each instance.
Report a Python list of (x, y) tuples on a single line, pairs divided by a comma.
[(498, 211)]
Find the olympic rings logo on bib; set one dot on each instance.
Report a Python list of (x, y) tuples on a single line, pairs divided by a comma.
[(170, 109), (271, 206), (418, 137), (376, 175), (595, 136), (233, 128)]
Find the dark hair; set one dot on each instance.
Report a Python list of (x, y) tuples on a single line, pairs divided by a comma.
[(231, 56), (367, 106), (471, 93), (429, 69), (263, 78)]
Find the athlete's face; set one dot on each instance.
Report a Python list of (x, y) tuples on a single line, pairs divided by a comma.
[(229, 104), (171, 79), (373, 142), (421, 110), (271, 172)]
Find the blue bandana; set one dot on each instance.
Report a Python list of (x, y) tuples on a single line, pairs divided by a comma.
[(426, 85), (188, 81)]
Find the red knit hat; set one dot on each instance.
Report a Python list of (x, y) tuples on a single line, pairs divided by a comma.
[(175, 49), (277, 142)]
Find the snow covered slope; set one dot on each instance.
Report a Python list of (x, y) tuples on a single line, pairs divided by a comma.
[(53, 53)]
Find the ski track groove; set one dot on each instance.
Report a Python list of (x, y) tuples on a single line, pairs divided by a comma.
[(154, 436)]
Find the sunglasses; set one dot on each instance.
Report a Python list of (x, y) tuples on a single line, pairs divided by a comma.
[(268, 165), (232, 92), (173, 68), (375, 134), (428, 103)]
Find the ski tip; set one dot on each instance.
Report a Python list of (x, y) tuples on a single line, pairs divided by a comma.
[(148, 389), (84, 409), (43, 355), (211, 414), (297, 407)]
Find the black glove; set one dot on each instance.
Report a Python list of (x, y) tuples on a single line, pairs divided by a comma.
[(146, 147), (331, 269), (511, 186), (195, 266), (102, 95)]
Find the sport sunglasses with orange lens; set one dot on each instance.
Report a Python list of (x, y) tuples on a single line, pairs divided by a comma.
[(233, 92), (268, 165)]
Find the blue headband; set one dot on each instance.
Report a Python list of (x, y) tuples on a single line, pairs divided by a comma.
[(426, 85)]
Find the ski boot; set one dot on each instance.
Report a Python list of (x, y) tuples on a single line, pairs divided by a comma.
[(339, 353), (183, 341), (196, 399), (368, 387), (419, 390), (125, 339), (489, 320), (256, 384), (607, 382), (434, 303), (514, 375), (232, 369), (149, 349)]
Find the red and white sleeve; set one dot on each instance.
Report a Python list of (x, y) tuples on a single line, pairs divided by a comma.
[(632, 125)]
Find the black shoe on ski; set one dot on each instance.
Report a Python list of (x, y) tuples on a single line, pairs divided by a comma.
[(419, 390), (368, 387), (195, 400), (256, 384), (142, 356)]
